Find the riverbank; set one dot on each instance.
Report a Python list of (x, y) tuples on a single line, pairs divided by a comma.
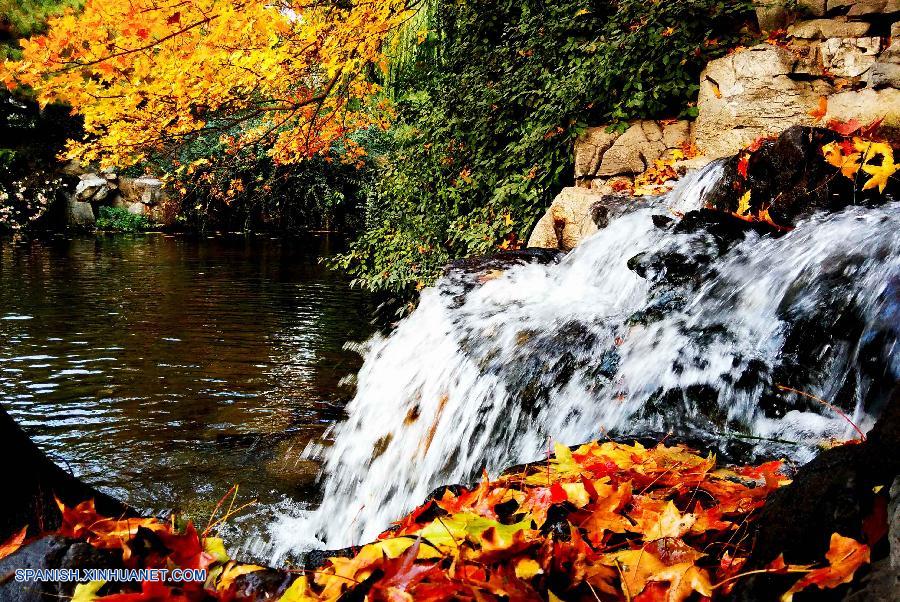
[(601, 521)]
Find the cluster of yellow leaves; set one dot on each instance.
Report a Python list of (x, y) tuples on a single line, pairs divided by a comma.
[(149, 75), (659, 178), (873, 158)]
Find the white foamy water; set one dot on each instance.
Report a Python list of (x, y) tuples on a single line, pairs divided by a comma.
[(485, 375)]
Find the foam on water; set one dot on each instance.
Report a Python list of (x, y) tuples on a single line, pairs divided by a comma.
[(482, 377)]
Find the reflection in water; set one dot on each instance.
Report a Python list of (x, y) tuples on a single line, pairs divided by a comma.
[(165, 369)]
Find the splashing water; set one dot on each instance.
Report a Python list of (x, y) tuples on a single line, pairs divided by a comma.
[(650, 325)]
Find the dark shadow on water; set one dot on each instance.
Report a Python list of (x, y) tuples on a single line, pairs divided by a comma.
[(165, 369)]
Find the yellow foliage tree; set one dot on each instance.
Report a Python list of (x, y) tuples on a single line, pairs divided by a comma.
[(149, 76)]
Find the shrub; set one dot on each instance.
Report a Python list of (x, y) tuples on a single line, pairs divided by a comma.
[(488, 112), (118, 219)]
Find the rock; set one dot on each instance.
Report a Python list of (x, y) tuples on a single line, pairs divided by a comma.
[(754, 93), (642, 144), (894, 523), (835, 492), (463, 275), (52, 552), (849, 57), (79, 214), (866, 105), (873, 7), (589, 149), (599, 153), (788, 177), (828, 28), (886, 70), (567, 222), (895, 29), (777, 14), (146, 190), (91, 187)]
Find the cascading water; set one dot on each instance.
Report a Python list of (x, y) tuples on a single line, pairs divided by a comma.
[(653, 324)]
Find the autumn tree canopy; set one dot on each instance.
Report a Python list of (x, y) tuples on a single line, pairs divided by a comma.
[(149, 76)]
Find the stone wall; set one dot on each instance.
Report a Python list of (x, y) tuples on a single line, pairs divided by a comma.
[(602, 156), (839, 55), (141, 196), (835, 59)]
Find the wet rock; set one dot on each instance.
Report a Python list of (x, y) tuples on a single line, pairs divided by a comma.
[(503, 261), (51, 552), (267, 584), (790, 178), (834, 493)]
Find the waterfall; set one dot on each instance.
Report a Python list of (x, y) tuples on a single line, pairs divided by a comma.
[(650, 325)]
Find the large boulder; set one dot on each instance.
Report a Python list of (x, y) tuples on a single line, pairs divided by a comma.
[(789, 178), (865, 106), (602, 154), (758, 92), (567, 222), (79, 214)]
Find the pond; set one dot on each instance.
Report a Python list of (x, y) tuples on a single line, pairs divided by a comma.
[(165, 369)]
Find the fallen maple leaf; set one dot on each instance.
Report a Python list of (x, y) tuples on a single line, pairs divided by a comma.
[(845, 556), (844, 128), (819, 112), (13, 543)]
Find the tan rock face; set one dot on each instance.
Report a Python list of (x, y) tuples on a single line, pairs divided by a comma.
[(828, 28), (850, 57), (754, 93), (567, 222), (602, 154), (866, 105)]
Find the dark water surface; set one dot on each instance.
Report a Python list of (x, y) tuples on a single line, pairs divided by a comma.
[(166, 369)]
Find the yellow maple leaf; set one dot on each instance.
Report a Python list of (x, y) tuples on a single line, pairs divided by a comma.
[(744, 204), (880, 174)]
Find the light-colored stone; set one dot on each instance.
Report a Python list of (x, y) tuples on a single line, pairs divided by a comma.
[(567, 222), (828, 28), (601, 154), (589, 149), (79, 214), (895, 30), (873, 7), (750, 94), (642, 144), (865, 106), (850, 57), (886, 70), (91, 187), (145, 190)]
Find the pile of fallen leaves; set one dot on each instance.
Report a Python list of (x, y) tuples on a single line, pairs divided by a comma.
[(605, 521)]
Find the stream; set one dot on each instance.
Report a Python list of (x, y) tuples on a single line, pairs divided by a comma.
[(163, 370)]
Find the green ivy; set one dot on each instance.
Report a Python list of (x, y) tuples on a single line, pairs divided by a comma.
[(489, 107), (118, 219)]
